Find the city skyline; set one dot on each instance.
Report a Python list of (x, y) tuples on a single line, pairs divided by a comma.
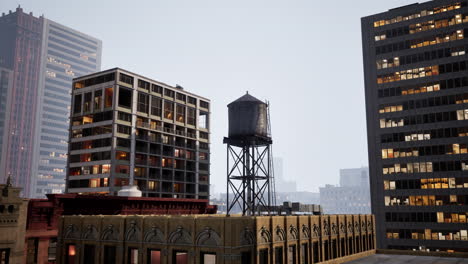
[(205, 48)]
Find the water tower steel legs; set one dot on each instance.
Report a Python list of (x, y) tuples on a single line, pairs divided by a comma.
[(248, 178)]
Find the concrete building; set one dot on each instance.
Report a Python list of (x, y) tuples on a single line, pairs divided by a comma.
[(416, 87), (215, 239), (352, 196), (43, 57), (13, 212), (129, 129)]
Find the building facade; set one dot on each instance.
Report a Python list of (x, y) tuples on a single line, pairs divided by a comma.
[(13, 212), (128, 129), (215, 239), (416, 86), (352, 196), (44, 57)]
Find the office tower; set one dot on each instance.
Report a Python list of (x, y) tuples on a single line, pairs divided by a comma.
[(352, 196), (44, 57), (416, 86), (282, 184), (354, 177), (129, 129)]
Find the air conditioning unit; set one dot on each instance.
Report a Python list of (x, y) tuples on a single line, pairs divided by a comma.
[(85, 172)]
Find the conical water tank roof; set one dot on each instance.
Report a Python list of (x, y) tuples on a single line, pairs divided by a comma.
[(247, 118)]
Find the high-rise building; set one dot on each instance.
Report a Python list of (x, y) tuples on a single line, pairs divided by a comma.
[(282, 185), (128, 129), (354, 177), (351, 197), (416, 87), (44, 57)]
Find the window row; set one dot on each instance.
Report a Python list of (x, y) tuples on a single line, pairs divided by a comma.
[(109, 254), (86, 170), (426, 200), (93, 101), (156, 106), (391, 153), (433, 217), (424, 119), (420, 27), (420, 57), (427, 234), (90, 144), (92, 131), (422, 217), (421, 42), (95, 80), (425, 135), (422, 13), (424, 88), (88, 157), (422, 167), (423, 103), (89, 183), (92, 118), (151, 124), (431, 183), (422, 72), (409, 74), (415, 167)]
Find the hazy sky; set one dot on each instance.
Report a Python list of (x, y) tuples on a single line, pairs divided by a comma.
[(303, 56)]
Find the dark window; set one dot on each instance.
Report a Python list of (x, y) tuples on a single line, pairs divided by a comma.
[(246, 257), (169, 93), (110, 253), (192, 100), (278, 255), (156, 106), (89, 253), (156, 88), (180, 97), (263, 256), (143, 84), (125, 97), (126, 79), (143, 102), (77, 104), (204, 104)]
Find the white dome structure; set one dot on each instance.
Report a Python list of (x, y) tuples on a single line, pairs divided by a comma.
[(129, 191)]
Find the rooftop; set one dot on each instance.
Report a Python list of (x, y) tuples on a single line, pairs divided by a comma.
[(401, 259)]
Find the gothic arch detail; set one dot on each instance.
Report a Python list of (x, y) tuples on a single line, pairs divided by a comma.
[(133, 232), (208, 237), (91, 233), (155, 235), (110, 233), (180, 236)]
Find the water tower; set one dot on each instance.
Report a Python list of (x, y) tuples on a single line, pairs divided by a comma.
[(249, 157)]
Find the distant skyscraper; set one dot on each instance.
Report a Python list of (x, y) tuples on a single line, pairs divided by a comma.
[(44, 57), (282, 184), (354, 177), (416, 86), (351, 197)]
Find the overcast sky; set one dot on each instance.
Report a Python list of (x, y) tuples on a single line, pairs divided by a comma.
[(303, 56)]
